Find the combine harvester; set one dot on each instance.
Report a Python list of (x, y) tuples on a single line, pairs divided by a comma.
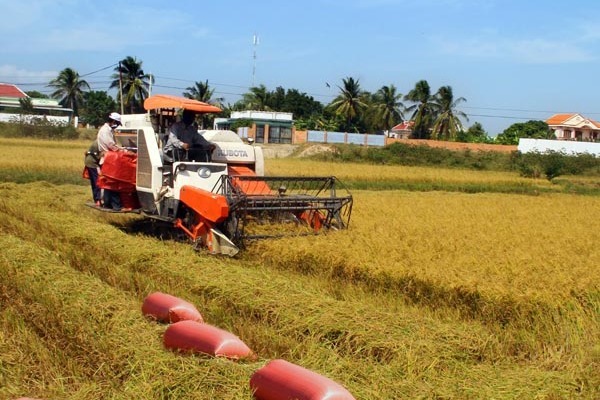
[(219, 200)]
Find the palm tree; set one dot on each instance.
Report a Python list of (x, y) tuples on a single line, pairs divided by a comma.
[(257, 99), (69, 89), (349, 103), (447, 124), (423, 110), (202, 92), (26, 105), (136, 83), (388, 107)]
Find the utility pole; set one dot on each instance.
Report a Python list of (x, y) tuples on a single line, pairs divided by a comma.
[(255, 42)]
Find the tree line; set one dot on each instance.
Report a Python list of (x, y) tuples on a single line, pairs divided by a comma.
[(434, 115)]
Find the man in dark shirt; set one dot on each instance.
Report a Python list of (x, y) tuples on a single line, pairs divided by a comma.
[(185, 143)]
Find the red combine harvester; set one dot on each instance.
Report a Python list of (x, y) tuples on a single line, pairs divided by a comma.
[(218, 200)]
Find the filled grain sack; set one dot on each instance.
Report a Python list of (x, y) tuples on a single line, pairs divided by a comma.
[(195, 337), (280, 379), (166, 308)]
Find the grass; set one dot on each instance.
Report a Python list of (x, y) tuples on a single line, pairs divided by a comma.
[(435, 294)]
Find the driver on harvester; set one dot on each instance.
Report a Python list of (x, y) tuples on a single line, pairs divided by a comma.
[(185, 143)]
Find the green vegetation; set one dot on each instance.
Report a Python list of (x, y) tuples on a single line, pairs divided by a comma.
[(436, 115), (132, 82), (69, 89), (553, 164), (529, 129), (533, 165)]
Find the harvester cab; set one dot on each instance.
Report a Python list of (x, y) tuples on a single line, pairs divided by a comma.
[(222, 200)]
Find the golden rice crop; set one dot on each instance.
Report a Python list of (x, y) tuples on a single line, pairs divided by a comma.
[(427, 295), (35, 154), (373, 343), (375, 173)]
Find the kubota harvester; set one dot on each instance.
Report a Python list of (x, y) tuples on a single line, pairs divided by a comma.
[(222, 199)]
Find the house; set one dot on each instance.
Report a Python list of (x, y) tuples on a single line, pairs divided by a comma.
[(403, 130), (10, 106), (574, 127), (261, 126)]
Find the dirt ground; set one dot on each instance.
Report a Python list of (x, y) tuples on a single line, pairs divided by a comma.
[(278, 150)]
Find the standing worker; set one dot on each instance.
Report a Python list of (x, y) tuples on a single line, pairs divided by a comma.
[(106, 142), (92, 166)]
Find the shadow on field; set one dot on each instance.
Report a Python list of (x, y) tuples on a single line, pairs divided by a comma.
[(152, 228)]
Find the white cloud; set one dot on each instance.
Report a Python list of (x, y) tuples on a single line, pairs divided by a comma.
[(543, 51), (529, 50), (14, 74), (42, 26)]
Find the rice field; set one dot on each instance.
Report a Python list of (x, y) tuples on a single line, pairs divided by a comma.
[(436, 294)]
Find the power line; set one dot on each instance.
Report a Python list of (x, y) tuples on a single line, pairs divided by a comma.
[(501, 116), (101, 69), (192, 81), (217, 84)]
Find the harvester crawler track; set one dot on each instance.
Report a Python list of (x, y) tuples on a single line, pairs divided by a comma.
[(286, 202)]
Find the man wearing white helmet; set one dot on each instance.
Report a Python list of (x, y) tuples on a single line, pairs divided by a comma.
[(106, 136), (107, 142)]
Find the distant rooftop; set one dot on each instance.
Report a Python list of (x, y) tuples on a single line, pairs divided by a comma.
[(262, 115), (10, 90), (404, 126), (572, 120)]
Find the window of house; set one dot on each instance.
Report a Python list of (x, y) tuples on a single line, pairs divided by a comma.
[(260, 134), (280, 134), (286, 135), (274, 134)]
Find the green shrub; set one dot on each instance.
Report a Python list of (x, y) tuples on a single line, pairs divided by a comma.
[(553, 164), (410, 155)]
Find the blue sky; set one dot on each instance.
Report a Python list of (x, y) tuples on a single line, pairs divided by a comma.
[(511, 60)]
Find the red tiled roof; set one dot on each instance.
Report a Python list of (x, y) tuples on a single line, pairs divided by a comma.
[(404, 126), (9, 90), (558, 119)]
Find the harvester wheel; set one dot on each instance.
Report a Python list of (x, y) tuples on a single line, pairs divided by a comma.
[(231, 228), (198, 244)]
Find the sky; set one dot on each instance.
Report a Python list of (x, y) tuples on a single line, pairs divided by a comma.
[(512, 61)]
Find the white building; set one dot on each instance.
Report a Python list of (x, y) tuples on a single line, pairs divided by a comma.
[(10, 106), (574, 127)]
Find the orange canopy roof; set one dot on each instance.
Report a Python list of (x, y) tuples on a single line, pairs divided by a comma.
[(168, 101)]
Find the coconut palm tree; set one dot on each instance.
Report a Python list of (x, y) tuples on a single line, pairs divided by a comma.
[(69, 89), (349, 103), (423, 110), (26, 105), (447, 123), (257, 99), (135, 83), (388, 107), (201, 91)]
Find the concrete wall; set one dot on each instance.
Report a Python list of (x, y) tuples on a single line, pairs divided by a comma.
[(16, 118), (562, 146), (379, 140)]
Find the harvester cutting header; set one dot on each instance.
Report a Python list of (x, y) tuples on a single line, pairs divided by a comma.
[(217, 195)]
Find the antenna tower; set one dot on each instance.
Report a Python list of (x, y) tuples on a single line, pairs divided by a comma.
[(255, 42)]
